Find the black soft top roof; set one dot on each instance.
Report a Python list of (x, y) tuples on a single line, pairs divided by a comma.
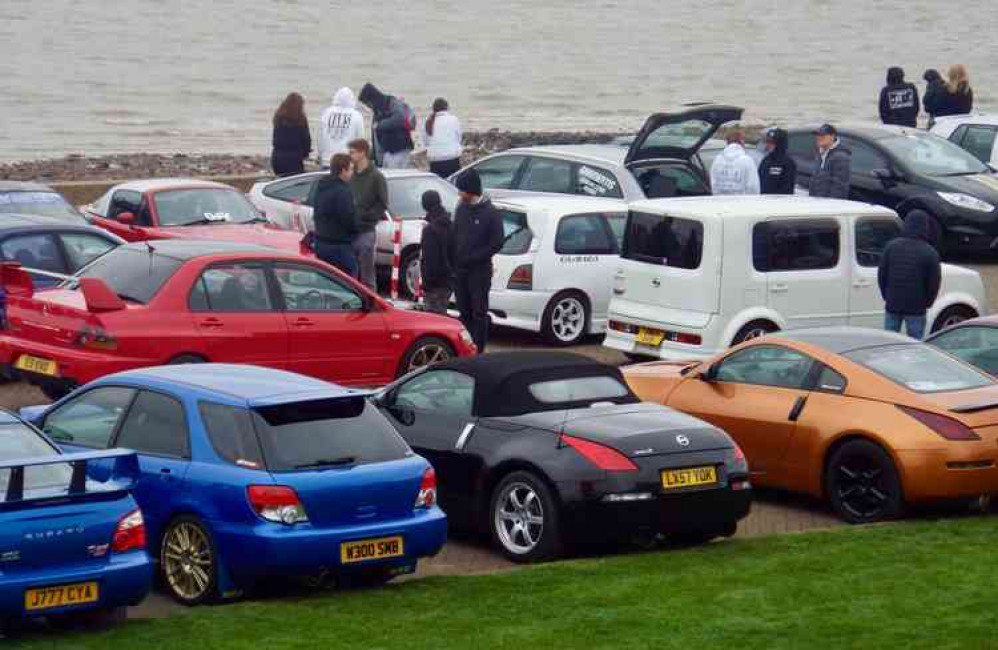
[(503, 379)]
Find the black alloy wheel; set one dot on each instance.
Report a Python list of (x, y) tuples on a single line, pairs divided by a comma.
[(863, 484)]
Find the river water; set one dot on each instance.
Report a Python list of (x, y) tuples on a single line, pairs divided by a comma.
[(102, 76)]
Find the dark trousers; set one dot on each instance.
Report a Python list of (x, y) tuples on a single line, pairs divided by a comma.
[(286, 164), (339, 255), (445, 168), (471, 291)]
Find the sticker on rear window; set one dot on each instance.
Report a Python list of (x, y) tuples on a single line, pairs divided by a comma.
[(594, 182)]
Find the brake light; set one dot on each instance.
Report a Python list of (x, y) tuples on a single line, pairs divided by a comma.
[(130, 533), (738, 460), (427, 496), (627, 328), (277, 503), (95, 338), (522, 278), (683, 337), (603, 457), (946, 427)]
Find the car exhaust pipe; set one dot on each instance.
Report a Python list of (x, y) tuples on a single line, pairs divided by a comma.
[(984, 503)]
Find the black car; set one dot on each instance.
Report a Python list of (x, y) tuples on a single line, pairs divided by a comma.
[(21, 197), (905, 169), (543, 450)]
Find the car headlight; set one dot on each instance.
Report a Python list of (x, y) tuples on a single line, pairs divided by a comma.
[(965, 201), (466, 336)]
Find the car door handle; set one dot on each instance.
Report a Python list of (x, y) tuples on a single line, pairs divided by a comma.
[(779, 288), (462, 440), (797, 408), (210, 323), (862, 284), (304, 322)]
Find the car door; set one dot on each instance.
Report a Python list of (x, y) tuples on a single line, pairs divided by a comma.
[(124, 202), (870, 236), (806, 277), (873, 175), (334, 334), (82, 248), (235, 314), (433, 412), (89, 420), (978, 139), (755, 394), (39, 251), (586, 249)]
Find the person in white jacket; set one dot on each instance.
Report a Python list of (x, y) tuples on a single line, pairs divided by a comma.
[(734, 171), (442, 139), (340, 124)]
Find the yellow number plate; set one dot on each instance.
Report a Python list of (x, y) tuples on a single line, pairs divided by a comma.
[(36, 364), (62, 596), (688, 477), (371, 549), (653, 338)]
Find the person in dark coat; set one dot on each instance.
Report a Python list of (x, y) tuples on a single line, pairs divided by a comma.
[(956, 97), (909, 275), (777, 171), (478, 236), (935, 88), (291, 139), (435, 249), (335, 216), (831, 178), (392, 135), (899, 100)]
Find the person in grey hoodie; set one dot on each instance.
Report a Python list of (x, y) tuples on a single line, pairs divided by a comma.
[(832, 177), (391, 128), (734, 171), (339, 125), (909, 275)]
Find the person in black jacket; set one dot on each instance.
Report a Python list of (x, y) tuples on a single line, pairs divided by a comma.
[(909, 275), (935, 88), (777, 171), (832, 177), (335, 216), (291, 139), (956, 96), (391, 131), (898, 100), (478, 236), (435, 250)]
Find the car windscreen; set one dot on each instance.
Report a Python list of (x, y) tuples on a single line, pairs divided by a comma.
[(405, 195), (326, 433), (17, 441), (920, 368), (134, 274), (578, 389), (516, 232), (45, 204), (664, 240), (932, 156), (204, 205)]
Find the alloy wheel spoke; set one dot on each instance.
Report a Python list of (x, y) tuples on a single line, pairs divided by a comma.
[(878, 495), (535, 520), (848, 472), (514, 499)]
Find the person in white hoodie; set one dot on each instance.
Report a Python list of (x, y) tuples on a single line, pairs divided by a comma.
[(340, 124), (442, 139), (734, 171)]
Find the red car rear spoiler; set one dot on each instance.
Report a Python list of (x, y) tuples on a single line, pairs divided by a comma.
[(16, 281)]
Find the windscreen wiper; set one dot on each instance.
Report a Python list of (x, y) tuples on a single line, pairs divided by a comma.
[(328, 462)]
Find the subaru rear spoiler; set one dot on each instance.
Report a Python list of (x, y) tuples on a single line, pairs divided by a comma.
[(15, 280), (122, 478)]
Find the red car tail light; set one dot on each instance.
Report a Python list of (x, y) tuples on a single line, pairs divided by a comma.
[(522, 278), (603, 457), (627, 328), (95, 338), (277, 503), (130, 533), (944, 426), (427, 496)]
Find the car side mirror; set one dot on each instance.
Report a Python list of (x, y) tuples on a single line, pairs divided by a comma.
[(886, 176), (709, 374), (127, 218)]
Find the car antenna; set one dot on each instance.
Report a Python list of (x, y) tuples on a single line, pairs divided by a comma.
[(149, 246)]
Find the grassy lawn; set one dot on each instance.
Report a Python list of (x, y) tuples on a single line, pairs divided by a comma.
[(922, 584)]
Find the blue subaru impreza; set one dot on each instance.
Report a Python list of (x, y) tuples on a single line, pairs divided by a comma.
[(250, 473)]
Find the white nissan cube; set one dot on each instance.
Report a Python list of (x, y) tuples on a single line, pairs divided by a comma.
[(698, 275)]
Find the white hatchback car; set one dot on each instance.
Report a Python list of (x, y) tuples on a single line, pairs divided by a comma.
[(555, 271), (283, 202), (978, 134), (698, 275)]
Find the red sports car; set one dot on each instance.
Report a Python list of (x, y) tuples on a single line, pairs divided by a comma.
[(179, 208), (153, 303)]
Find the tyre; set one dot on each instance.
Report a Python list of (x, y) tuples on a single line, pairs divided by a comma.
[(524, 519), (425, 352), (754, 330), (862, 483), (565, 319), (409, 273), (188, 561), (185, 358), (951, 316)]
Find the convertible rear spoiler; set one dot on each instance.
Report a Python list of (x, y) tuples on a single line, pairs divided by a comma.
[(15, 280), (122, 478)]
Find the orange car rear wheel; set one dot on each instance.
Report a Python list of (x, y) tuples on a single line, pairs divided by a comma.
[(862, 483)]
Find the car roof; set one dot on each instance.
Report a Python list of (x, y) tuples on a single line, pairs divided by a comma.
[(24, 186), (185, 249), (868, 130), (979, 118), (6, 417), (32, 222), (843, 339), (734, 207), (389, 174), (601, 153), (154, 184), (562, 204)]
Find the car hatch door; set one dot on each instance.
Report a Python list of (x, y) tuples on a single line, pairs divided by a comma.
[(679, 134)]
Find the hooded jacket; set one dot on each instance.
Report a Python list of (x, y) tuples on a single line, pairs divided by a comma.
[(778, 171), (832, 177), (478, 235), (910, 270), (934, 89), (389, 127), (436, 249), (899, 100), (340, 123), (733, 172)]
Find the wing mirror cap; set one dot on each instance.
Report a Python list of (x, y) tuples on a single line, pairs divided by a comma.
[(708, 374)]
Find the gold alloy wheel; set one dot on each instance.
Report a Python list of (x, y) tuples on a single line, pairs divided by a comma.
[(427, 354), (187, 561)]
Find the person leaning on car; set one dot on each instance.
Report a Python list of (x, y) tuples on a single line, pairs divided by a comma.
[(335, 216), (909, 275), (370, 194), (831, 178), (435, 250)]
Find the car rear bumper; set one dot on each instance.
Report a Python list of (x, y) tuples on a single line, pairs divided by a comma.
[(667, 350), (709, 327), (124, 580), (939, 475), (75, 366), (518, 309)]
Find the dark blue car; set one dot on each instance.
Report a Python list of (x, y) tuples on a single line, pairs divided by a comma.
[(69, 546), (250, 473)]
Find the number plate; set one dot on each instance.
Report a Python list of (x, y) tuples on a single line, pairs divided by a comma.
[(688, 477), (36, 364), (650, 337), (371, 549), (62, 596)]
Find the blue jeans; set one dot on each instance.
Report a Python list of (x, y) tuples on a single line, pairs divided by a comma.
[(914, 324), (339, 255)]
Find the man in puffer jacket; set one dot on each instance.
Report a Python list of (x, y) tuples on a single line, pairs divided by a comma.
[(392, 131), (909, 275), (339, 125)]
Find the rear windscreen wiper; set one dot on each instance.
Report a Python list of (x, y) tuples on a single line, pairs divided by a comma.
[(328, 462)]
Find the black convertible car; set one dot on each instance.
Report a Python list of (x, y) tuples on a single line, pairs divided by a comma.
[(546, 449)]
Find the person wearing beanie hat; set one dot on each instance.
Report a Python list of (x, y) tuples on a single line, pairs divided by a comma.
[(478, 236), (910, 274), (435, 265)]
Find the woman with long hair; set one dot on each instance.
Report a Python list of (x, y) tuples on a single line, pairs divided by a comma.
[(958, 98), (292, 141), (442, 137)]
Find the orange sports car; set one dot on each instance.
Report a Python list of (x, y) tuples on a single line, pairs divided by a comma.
[(870, 420)]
